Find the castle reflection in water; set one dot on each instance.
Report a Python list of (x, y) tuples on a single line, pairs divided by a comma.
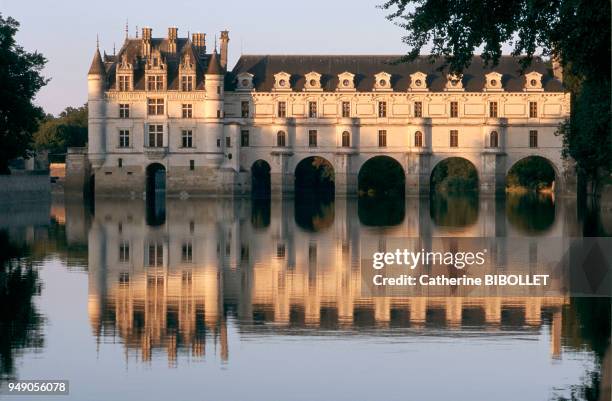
[(169, 281)]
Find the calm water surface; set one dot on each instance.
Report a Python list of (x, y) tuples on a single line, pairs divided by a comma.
[(260, 300)]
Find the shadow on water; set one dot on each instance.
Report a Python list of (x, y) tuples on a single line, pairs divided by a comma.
[(530, 213), (453, 210), (314, 212), (381, 211), (260, 213), (20, 321)]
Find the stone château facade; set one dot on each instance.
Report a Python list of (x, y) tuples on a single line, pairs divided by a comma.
[(167, 105)]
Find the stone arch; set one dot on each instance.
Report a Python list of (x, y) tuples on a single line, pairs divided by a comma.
[(156, 194), (314, 175), (260, 179), (454, 174), (381, 176), (538, 172)]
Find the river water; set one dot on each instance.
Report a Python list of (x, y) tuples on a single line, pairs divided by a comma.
[(235, 299)]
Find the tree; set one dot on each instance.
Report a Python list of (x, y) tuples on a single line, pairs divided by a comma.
[(20, 80), (57, 134), (576, 32)]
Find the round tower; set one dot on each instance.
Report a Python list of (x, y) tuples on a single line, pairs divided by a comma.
[(96, 81), (213, 84)]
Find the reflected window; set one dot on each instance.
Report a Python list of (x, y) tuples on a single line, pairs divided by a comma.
[(187, 252), (124, 278), (124, 252), (280, 250), (155, 255)]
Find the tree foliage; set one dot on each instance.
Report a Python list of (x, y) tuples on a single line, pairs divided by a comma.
[(533, 173), (454, 175), (20, 80), (57, 134), (577, 32)]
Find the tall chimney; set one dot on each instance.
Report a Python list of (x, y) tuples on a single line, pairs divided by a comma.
[(224, 41), (146, 41), (199, 42), (172, 35)]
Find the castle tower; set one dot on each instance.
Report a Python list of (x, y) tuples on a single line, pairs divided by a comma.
[(96, 80)]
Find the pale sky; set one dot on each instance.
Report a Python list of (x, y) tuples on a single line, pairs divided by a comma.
[(65, 31)]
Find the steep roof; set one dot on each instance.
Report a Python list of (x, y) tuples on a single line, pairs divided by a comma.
[(97, 66), (214, 67), (263, 67)]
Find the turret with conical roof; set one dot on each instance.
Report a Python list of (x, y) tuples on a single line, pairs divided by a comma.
[(214, 67), (97, 66), (96, 85)]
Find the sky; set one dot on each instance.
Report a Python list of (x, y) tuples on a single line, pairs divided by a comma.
[(64, 31)]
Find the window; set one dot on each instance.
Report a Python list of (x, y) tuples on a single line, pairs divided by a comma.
[(346, 139), (312, 109), (454, 138), (533, 139), (191, 167), (187, 110), (382, 138), (228, 142), (187, 252), (155, 255), (124, 252), (124, 83), (244, 107), (187, 138), (346, 109), (218, 90), (120, 162), (282, 109), (454, 109), (382, 109), (312, 138), (244, 138), (155, 107), (281, 139), (493, 109), (124, 138), (533, 109), (418, 139), (155, 83), (493, 139), (187, 83), (418, 109), (218, 142), (218, 113), (156, 135), (124, 110)]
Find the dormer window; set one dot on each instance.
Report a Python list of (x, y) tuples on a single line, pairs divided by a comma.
[(245, 81), (454, 82), (187, 74), (313, 81), (418, 81), (493, 81), (124, 75), (281, 81), (382, 81), (533, 82), (346, 81)]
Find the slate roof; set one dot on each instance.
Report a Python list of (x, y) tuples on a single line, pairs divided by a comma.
[(263, 67), (133, 49)]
